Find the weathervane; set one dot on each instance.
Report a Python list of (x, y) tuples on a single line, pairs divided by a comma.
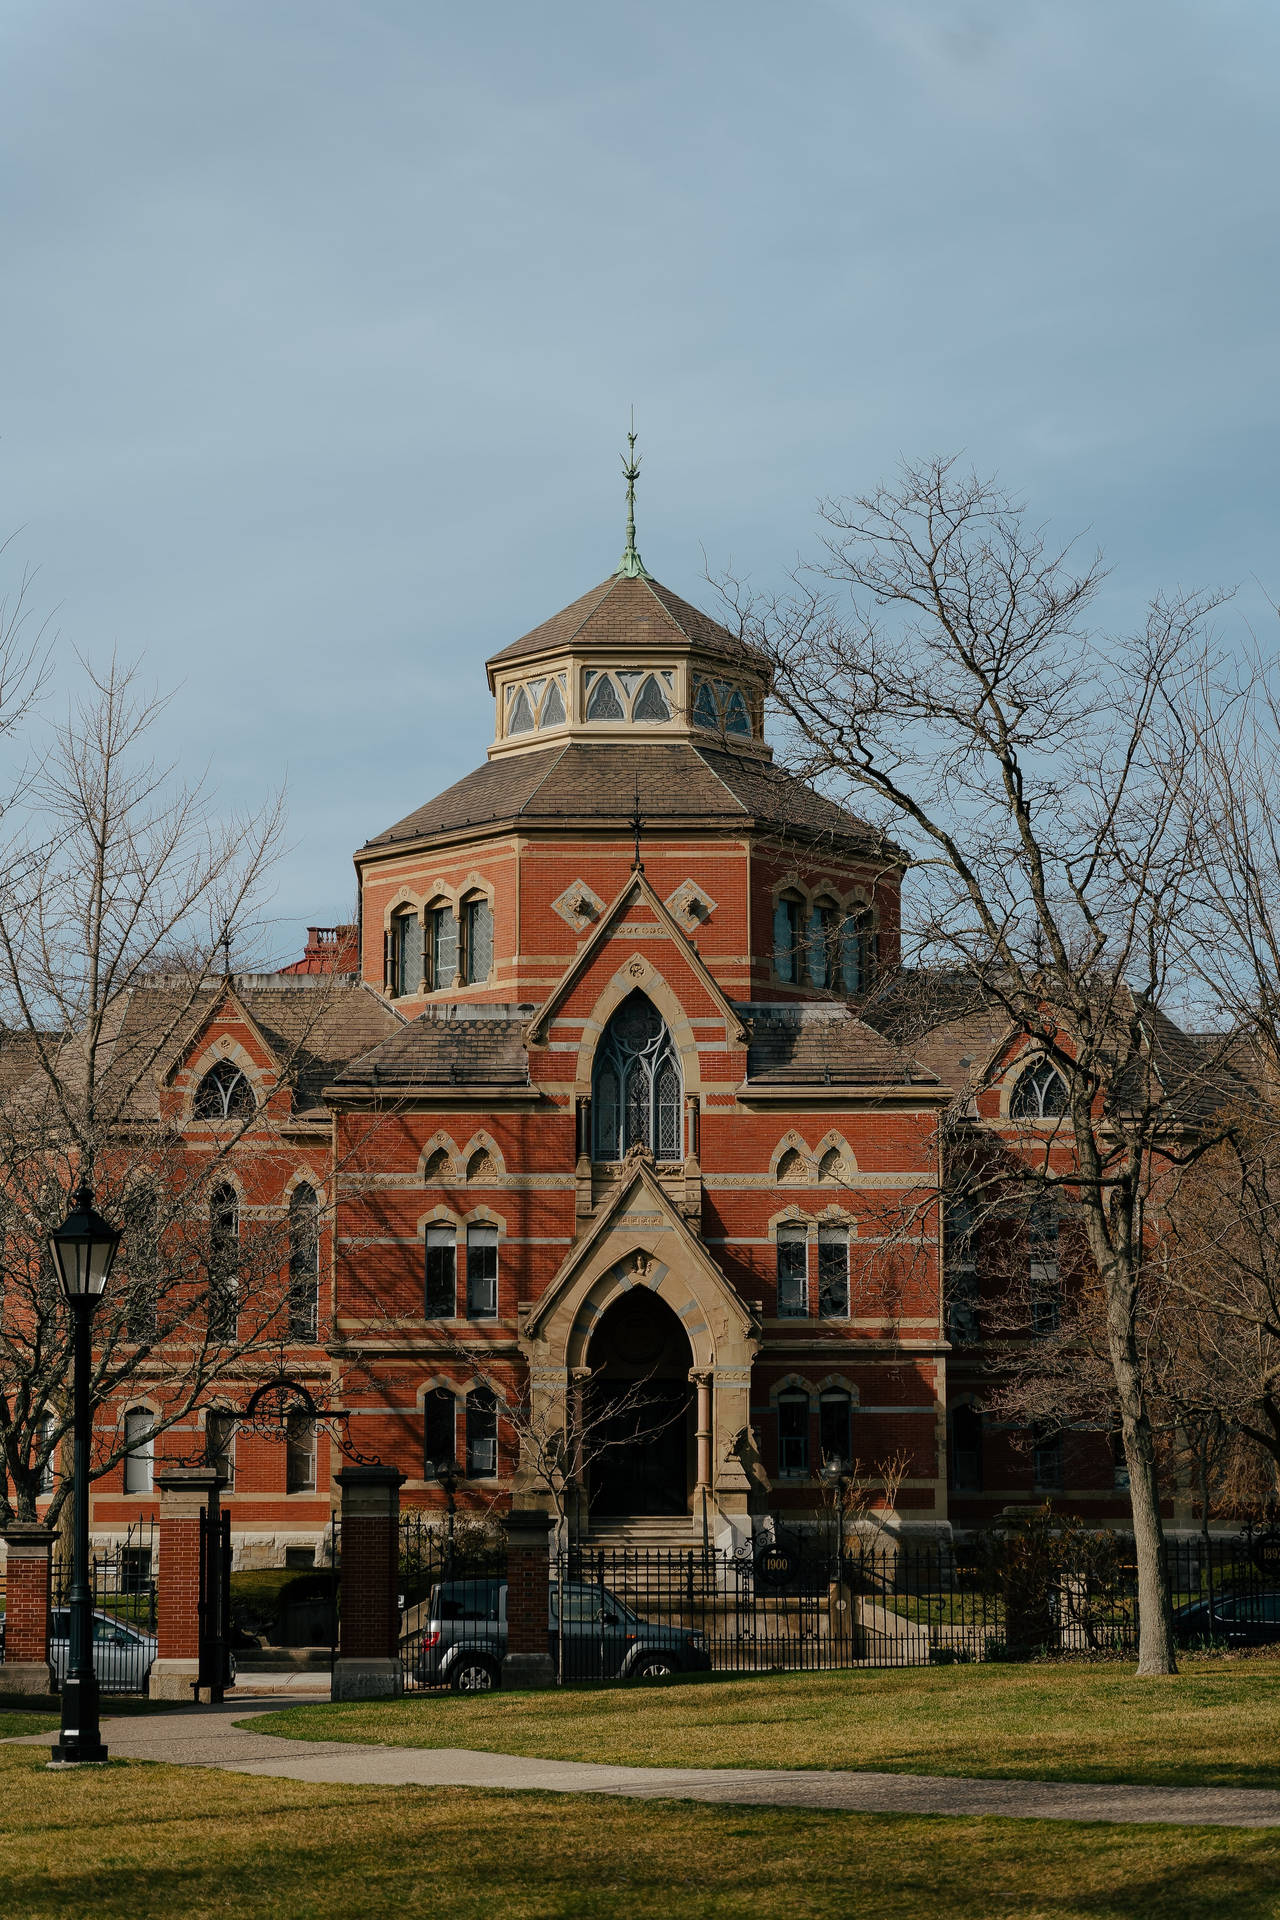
[(631, 566)]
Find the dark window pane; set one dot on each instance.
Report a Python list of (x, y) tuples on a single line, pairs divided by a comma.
[(300, 1453), (482, 1434), (479, 941), (793, 1433), (440, 1438), (637, 1086), (304, 1264), (444, 946), (835, 1429), (482, 1272), (793, 1272), (833, 1273), (224, 1262), (442, 1281)]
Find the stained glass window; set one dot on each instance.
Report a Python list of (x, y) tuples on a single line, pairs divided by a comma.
[(604, 703), (553, 705), (651, 703), (736, 717), (521, 720), (444, 946), (704, 707), (479, 940), (637, 1087)]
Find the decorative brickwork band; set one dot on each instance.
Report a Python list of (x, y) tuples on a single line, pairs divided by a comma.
[(368, 1663), (528, 1661), (184, 1492), (26, 1652)]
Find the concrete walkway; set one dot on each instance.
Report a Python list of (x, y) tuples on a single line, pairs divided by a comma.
[(209, 1737)]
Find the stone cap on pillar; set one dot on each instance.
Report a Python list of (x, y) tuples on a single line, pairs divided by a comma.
[(185, 1490), (527, 1527), (28, 1539), (370, 1490)]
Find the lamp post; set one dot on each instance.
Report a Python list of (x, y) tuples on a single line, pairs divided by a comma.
[(83, 1249)]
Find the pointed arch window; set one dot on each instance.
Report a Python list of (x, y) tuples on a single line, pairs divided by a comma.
[(406, 952), (477, 941), (857, 950), (304, 1263), (637, 1088), (442, 928), (786, 937), (223, 1094), (224, 1261), (1041, 1093)]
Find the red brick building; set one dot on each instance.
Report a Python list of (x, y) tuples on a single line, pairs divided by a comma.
[(616, 1103)]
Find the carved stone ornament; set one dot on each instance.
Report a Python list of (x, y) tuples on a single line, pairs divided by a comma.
[(691, 905), (579, 906)]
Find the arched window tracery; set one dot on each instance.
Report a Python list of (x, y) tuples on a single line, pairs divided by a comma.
[(637, 1087), (223, 1094), (1040, 1094)]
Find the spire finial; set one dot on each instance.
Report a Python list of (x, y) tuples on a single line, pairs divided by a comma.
[(631, 566)]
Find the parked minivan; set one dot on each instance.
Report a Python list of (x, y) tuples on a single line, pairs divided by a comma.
[(464, 1637)]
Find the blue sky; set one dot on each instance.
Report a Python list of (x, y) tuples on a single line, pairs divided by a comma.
[(321, 323)]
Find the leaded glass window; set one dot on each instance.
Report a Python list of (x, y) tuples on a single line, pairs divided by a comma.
[(637, 1087), (224, 1261), (443, 928), (704, 707), (1041, 1093), (736, 717), (793, 1272), (553, 706), (223, 1094), (406, 953), (521, 720), (833, 1273), (857, 950), (603, 703), (820, 942), (478, 926), (304, 1263), (651, 702), (786, 938)]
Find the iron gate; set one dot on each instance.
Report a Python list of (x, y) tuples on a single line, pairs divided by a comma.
[(122, 1582)]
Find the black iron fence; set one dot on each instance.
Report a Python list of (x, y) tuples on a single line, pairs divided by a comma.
[(122, 1581), (796, 1605)]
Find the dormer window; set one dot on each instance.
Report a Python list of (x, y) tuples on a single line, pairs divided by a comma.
[(721, 707), (627, 694), (223, 1094), (535, 704)]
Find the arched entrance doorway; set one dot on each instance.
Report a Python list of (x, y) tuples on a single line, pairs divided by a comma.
[(640, 1409)]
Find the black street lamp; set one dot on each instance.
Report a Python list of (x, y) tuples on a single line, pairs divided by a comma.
[(83, 1249)]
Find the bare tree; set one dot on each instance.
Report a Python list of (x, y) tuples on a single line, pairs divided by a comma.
[(109, 865), (936, 670)]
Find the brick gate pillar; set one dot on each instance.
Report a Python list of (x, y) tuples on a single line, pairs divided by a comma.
[(368, 1663), (183, 1492), (26, 1625), (528, 1661)]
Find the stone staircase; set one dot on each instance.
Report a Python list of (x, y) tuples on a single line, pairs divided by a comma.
[(643, 1533)]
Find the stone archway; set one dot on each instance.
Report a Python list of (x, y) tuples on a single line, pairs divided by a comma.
[(639, 1410)]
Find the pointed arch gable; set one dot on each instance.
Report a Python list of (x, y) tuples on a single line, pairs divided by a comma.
[(440, 1142), (640, 1239), (636, 890)]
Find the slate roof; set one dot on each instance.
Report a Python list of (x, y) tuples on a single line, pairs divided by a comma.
[(480, 1046), (628, 612), (823, 1044), (677, 780)]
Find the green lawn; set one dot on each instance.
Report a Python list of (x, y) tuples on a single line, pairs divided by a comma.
[(135, 1842), (1216, 1724)]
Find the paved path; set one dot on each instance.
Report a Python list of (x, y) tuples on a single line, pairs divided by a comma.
[(209, 1737)]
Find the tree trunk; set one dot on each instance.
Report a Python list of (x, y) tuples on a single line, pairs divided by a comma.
[(1156, 1650)]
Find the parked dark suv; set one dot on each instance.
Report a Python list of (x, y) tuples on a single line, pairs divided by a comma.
[(1248, 1618), (463, 1638)]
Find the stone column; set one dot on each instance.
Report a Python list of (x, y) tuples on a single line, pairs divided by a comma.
[(184, 1492), (731, 1481), (368, 1663), (528, 1661), (26, 1666), (702, 1432)]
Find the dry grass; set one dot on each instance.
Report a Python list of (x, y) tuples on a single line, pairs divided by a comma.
[(1216, 1724), (136, 1842)]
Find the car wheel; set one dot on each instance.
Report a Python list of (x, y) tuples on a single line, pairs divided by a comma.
[(654, 1666), (474, 1675)]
